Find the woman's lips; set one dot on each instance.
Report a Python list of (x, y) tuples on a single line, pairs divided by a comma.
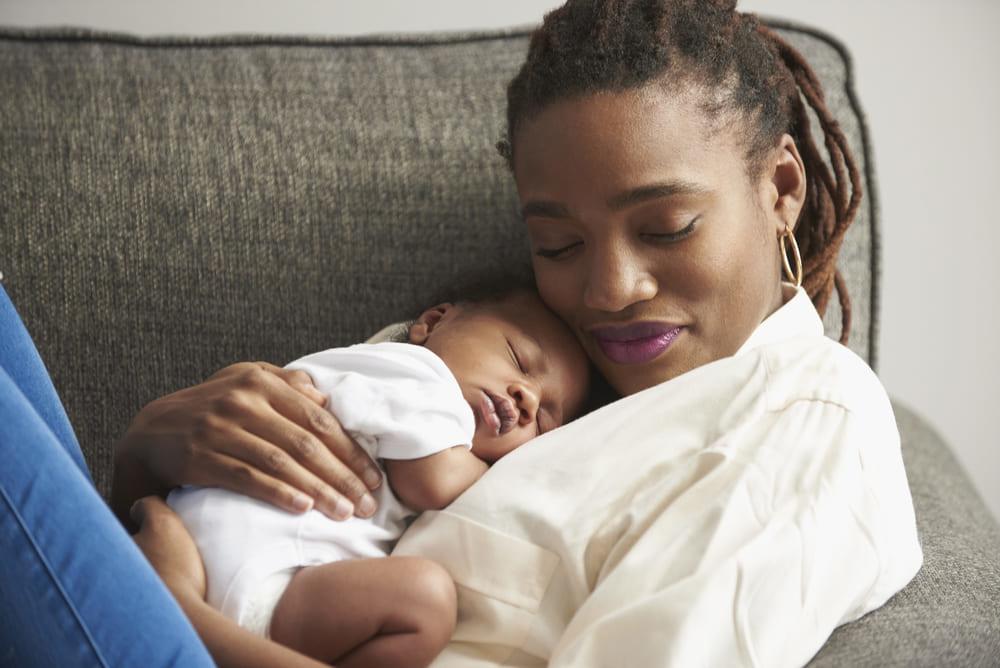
[(636, 343)]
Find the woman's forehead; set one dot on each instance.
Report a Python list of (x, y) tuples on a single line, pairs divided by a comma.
[(614, 142)]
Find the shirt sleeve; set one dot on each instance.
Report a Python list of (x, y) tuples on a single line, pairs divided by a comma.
[(773, 553), (400, 395)]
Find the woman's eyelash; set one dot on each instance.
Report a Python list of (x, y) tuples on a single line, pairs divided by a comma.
[(675, 236), (556, 252)]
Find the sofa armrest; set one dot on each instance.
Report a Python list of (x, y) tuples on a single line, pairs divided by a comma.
[(949, 615)]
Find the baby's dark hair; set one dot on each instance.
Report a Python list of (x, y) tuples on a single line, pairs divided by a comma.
[(493, 287), (590, 46), (487, 288)]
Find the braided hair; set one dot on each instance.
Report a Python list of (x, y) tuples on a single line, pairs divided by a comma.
[(590, 46)]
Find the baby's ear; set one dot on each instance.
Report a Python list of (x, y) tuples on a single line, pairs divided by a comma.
[(422, 327)]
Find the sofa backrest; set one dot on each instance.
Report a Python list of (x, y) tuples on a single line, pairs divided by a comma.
[(171, 206)]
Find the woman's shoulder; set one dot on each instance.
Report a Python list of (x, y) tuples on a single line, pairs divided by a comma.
[(820, 369)]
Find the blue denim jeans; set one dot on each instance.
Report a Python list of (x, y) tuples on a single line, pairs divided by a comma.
[(74, 588)]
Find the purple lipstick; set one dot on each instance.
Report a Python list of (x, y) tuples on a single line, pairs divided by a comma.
[(636, 343)]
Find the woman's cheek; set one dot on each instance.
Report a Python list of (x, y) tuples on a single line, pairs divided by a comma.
[(556, 286)]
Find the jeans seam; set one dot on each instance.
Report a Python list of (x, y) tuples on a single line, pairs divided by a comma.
[(52, 576)]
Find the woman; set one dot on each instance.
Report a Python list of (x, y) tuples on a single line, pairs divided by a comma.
[(748, 500)]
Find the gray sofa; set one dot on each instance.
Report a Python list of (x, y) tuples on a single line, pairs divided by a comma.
[(171, 206)]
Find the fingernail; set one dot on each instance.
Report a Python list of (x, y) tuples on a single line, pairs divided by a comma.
[(302, 503), (343, 509), (367, 505), (372, 479)]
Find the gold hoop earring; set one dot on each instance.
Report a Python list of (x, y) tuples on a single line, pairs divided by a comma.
[(793, 276)]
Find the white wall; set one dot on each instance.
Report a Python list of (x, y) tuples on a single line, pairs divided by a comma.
[(927, 74)]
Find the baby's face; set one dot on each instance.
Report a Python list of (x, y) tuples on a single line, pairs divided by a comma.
[(520, 369)]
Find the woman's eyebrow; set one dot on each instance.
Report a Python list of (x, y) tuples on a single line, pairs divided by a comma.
[(654, 191), (551, 209), (544, 209)]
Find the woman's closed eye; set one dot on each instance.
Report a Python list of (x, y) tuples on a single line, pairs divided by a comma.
[(558, 251), (670, 237)]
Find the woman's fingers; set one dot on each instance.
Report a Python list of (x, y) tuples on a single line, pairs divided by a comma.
[(328, 431), (268, 424), (257, 466), (298, 380), (308, 434)]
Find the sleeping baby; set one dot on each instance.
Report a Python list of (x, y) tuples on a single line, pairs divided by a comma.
[(476, 380)]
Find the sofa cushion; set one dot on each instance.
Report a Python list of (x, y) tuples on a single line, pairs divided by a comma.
[(171, 206)]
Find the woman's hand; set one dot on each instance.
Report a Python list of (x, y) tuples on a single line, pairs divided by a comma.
[(253, 428)]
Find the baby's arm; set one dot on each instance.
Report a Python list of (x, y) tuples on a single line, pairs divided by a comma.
[(431, 483)]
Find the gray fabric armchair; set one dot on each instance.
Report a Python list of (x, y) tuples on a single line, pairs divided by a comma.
[(170, 206)]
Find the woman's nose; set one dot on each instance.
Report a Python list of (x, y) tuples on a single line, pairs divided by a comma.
[(617, 279), (526, 397)]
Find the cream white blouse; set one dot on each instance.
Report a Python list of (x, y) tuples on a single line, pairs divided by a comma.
[(732, 516)]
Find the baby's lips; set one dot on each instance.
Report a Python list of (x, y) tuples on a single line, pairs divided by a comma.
[(487, 412), (506, 411)]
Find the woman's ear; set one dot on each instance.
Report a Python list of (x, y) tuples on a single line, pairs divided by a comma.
[(787, 184), (422, 327)]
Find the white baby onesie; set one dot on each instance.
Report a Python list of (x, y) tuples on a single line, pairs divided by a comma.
[(398, 401)]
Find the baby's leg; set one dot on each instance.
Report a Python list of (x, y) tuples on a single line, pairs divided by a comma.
[(395, 611)]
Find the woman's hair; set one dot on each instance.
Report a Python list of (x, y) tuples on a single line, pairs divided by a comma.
[(590, 46)]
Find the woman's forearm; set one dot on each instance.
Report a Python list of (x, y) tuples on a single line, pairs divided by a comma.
[(231, 645)]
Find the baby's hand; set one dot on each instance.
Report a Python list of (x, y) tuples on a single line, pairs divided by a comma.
[(168, 546)]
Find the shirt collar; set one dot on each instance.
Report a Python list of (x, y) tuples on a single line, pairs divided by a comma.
[(796, 317)]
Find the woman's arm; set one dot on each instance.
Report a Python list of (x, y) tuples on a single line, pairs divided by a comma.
[(253, 428), (170, 549), (431, 483)]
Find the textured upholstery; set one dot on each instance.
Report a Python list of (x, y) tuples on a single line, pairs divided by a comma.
[(168, 207), (949, 615)]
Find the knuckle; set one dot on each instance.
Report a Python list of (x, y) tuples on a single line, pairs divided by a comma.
[(352, 487), (298, 376), (233, 403), (242, 473), (356, 459), (285, 497), (322, 422), (275, 461), (305, 446), (188, 452), (318, 490), (254, 377), (202, 425)]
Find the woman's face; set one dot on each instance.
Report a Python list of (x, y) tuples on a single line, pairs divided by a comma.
[(648, 237)]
